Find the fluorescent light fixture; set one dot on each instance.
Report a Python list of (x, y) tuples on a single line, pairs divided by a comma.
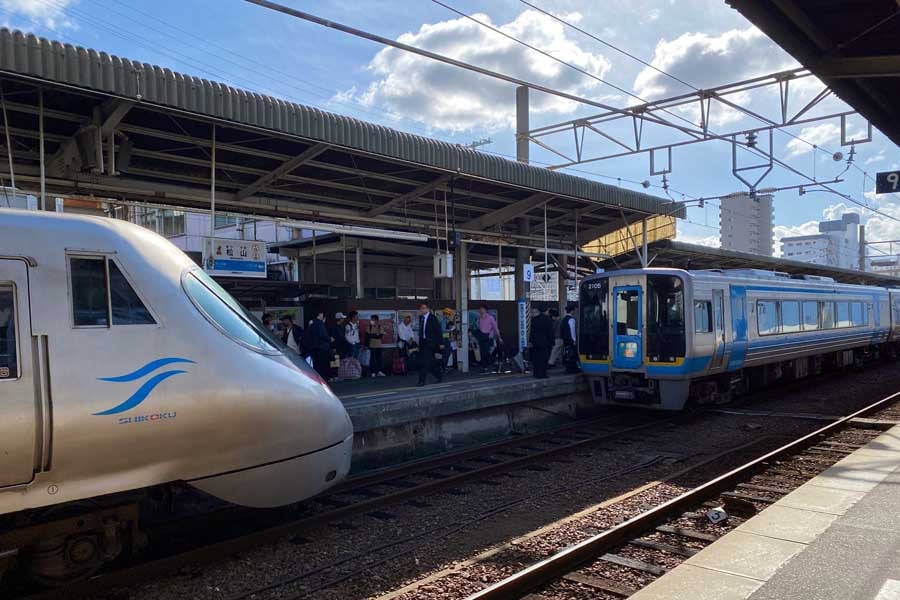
[(353, 230)]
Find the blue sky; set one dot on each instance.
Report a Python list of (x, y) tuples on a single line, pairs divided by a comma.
[(703, 42)]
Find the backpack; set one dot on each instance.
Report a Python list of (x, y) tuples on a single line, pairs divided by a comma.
[(398, 367), (350, 369)]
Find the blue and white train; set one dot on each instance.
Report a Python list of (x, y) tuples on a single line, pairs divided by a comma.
[(127, 374), (664, 338)]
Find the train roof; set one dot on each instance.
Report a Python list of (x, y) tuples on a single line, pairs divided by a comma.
[(757, 276)]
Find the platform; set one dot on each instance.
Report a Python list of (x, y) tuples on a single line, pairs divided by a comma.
[(394, 420), (837, 537)]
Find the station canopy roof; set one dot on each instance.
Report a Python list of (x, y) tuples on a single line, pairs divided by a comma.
[(853, 47), (669, 253), (273, 157)]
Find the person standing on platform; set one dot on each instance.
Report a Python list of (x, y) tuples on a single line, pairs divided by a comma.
[(430, 340), (351, 333), (570, 339), (541, 343), (374, 336), (267, 321), (319, 345), (292, 335), (337, 335), (486, 332)]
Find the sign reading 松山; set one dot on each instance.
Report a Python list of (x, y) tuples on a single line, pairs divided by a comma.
[(234, 258)]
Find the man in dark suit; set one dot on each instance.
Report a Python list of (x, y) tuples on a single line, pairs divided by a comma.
[(430, 340), (542, 340)]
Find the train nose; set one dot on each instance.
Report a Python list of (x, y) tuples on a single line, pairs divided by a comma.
[(308, 447)]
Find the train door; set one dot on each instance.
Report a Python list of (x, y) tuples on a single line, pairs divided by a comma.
[(720, 354), (18, 414), (628, 311)]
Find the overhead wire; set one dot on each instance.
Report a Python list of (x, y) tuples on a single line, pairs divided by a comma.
[(775, 160), (654, 67)]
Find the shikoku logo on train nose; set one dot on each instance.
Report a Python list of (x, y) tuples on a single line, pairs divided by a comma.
[(148, 386)]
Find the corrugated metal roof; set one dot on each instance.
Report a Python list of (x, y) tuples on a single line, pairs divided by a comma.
[(27, 54)]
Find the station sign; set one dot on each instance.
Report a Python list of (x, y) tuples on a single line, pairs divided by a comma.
[(528, 272), (522, 312), (887, 182), (234, 258)]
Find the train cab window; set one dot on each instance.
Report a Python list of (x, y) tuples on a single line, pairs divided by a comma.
[(90, 296), (810, 316), (627, 315), (593, 329), (843, 314), (828, 321), (858, 316), (127, 308), (226, 313), (702, 316), (102, 295), (8, 350), (767, 317), (790, 316), (665, 318)]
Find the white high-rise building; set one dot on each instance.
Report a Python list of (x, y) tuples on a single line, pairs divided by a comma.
[(745, 223), (836, 244)]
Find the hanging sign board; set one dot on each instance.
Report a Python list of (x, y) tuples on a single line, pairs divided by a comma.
[(528, 272), (234, 258), (887, 182), (522, 310)]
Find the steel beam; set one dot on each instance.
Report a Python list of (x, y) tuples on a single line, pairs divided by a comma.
[(859, 66), (508, 212), (285, 168), (413, 195)]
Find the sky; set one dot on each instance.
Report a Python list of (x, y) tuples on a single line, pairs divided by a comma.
[(701, 43)]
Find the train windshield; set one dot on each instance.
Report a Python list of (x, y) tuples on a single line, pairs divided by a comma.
[(665, 318), (594, 329), (227, 313)]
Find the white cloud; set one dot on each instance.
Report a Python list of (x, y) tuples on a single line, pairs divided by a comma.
[(49, 13), (711, 241), (452, 99), (819, 135), (707, 60), (877, 158)]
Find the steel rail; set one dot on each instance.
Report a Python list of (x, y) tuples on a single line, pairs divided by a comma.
[(572, 557), (221, 549)]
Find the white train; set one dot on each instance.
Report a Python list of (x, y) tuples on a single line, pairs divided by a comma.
[(660, 338), (123, 368)]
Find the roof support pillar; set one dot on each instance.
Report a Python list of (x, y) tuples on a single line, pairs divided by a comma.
[(522, 126), (359, 267), (522, 255), (462, 305)]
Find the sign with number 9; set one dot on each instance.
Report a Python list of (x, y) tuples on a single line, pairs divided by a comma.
[(887, 182)]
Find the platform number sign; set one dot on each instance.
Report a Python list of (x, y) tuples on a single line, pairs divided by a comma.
[(887, 182)]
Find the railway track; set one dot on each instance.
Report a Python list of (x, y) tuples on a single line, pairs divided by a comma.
[(620, 560), (363, 494)]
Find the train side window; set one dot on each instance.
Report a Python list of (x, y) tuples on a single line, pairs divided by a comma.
[(790, 316), (127, 308), (9, 368), (858, 316), (828, 315), (90, 296), (702, 316), (842, 310), (767, 317), (810, 316)]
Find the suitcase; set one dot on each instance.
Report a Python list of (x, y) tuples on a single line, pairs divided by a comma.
[(398, 367)]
